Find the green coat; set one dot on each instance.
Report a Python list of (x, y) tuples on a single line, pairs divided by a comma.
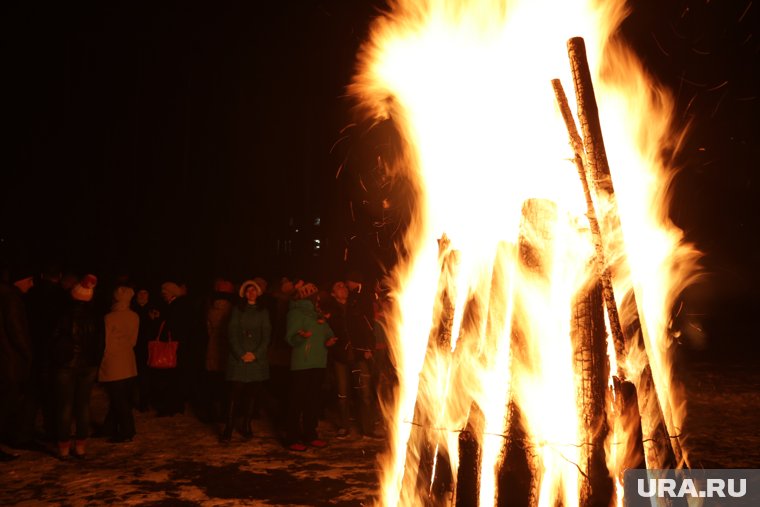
[(249, 331), (309, 352)]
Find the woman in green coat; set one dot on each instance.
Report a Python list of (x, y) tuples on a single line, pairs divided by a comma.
[(247, 365)]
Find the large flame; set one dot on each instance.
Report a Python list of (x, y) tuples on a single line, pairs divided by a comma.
[(467, 83)]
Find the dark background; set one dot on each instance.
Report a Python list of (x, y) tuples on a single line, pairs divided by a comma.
[(190, 139)]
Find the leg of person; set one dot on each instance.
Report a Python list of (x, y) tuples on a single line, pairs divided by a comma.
[(7, 407), (366, 392), (247, 405), (122, 409), (110, 424), (298, 393), (342, 375), (85, 379), (313, 383), (233, 401), (65, 387), (49, 403), (23, 431)]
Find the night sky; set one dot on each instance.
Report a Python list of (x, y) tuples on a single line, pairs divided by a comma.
[(184, 137)]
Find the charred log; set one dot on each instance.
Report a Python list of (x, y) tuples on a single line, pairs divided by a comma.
[(630, 451), (424, 459), (592, 367), (468, 474), (598, 171), (602, 266), (518, 478)]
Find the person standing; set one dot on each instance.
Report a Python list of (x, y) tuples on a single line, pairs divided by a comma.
[(218, 314), (247, 364), (170, 384), (78, 343), (340, 354), (118, 368), (15, 348), (149, 323), (45, 301), (309, 334), (360, 325)]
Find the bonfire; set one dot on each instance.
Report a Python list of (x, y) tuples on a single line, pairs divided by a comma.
[(530, 325)]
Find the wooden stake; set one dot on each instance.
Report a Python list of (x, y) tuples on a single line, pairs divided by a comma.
[(519, 479), (423, 456), (598, 171), (602, 268), (589, 339)]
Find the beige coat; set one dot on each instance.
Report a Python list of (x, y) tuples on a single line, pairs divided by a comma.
[(121, 336)]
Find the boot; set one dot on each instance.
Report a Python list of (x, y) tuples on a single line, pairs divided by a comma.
[(64, 447), (229, 423), (80, 448)]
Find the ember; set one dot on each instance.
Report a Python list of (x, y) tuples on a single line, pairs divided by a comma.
[(510, 390)]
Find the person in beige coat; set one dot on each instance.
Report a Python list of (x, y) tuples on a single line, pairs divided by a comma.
[(118, 369)]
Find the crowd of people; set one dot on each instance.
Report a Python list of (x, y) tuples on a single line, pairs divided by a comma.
[(293, 354)]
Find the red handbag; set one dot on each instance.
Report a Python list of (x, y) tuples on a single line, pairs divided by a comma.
[(162, 355)]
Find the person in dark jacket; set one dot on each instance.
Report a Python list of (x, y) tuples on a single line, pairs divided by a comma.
[(340, 354), (247, 363), (45, 302), (15, 348), (218, 312), (78, 343), (169, 396), (360, 325), (149, 316)]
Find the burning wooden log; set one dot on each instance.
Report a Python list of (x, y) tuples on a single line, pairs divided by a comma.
[(519, 477), (603, 269), (424, 460), (592, 367), (659, 454), (591, 350), (468, 473)]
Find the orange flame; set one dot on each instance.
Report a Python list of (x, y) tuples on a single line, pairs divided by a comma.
[(467, 83)]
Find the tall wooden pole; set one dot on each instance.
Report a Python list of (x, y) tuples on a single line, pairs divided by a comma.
[(661, 453), (602, 267)]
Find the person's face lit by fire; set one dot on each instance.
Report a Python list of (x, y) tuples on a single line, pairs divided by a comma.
[(251, 294), (286, 286), (339, 291), (142, 297)]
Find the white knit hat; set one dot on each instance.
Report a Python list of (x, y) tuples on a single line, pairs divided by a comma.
[(248, 283)]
